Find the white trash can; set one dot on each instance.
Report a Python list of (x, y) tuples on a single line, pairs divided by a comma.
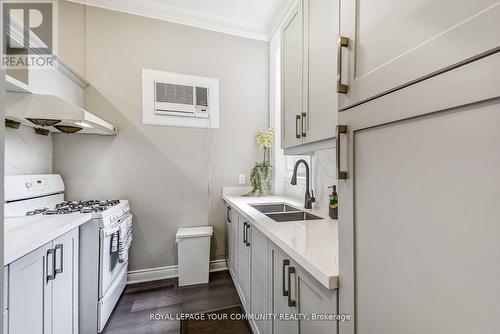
[(193, 254)]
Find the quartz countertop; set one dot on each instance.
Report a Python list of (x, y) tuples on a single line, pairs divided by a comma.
[(23, 235), (312, 244)]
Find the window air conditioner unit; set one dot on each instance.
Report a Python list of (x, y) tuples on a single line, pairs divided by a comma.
[(180, 100), (176, 99)]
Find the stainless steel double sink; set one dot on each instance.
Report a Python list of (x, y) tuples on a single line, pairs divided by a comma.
[(282, 212)]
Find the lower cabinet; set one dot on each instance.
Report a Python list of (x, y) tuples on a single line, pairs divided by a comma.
[(260, 303), (269, 282), (282, 300), (244, 256), (228, 241), (296, 292), (43, 289)]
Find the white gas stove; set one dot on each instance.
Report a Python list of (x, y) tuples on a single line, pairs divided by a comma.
[(102, 270)]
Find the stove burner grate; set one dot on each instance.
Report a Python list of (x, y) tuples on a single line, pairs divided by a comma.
[(67, 207)]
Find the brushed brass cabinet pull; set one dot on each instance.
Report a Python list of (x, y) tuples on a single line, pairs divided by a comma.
[(297, 121), (341, 129), (343, 43), (302, 125), (291, 302)]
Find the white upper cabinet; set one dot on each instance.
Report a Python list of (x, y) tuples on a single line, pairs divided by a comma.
[(58, 81), (308, 72), (292, 78), (321, 32), (394, 43)]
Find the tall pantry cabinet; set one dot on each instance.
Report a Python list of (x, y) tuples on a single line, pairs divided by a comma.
[(418, 163)]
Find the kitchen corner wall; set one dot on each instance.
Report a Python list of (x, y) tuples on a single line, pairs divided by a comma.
[(166, 173)]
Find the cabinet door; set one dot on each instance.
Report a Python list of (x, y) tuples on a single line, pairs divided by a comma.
[(30, 293), (419, 203), (292, 78), (321, 25), (65, 285), (314, 299), (244, 255), (281, 290), (235, 243), (394, 43), (51, 81), (260, 291), (229, 240)]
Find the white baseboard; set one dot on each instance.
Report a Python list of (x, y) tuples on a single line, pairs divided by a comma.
[(155, 274)]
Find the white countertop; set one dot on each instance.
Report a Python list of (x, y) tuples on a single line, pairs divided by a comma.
[(312, 244), (23, 235)]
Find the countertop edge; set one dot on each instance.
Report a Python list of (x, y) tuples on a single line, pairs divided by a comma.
[(328, 281), (14, 256)]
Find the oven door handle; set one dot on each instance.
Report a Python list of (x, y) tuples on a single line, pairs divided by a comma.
[(113, 228), (110, 231)]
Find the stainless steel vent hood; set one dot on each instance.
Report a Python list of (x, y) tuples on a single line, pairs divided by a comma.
[(55, 113)]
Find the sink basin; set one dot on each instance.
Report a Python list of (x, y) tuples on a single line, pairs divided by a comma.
[(292, 216), (274, 207)]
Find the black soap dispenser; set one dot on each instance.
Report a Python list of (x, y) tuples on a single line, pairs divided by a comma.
[(333, 209)]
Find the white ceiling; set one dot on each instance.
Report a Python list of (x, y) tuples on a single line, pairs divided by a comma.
[(256, 19)]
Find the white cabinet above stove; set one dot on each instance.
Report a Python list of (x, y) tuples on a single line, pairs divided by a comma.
[(51, 99)]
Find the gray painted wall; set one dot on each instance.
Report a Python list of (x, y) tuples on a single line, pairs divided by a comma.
[(164, 171)]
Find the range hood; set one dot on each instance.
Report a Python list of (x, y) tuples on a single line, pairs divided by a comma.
[(55, 114)]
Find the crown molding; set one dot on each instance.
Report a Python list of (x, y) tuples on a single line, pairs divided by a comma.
[(169, 11)]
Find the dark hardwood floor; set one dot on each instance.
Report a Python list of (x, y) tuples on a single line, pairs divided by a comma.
[(140, 301)]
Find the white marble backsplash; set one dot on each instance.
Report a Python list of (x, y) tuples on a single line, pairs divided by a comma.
[(26, 152), (324, 177)]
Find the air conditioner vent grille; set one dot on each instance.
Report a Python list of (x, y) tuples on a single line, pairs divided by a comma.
[(202, 96), (171, 93)]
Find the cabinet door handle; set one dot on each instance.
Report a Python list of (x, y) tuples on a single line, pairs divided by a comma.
[(341, 129), (247, 243), (297, 121), (343, 43), (52, 275), (61, 258), (244, 232), (302, 125), (228, 214), (291, 302), (285, 263)]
